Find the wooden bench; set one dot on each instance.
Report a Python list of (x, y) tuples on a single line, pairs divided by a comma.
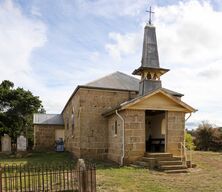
[(155, 144)]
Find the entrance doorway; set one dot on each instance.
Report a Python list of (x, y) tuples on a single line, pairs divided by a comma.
[(155, 123)]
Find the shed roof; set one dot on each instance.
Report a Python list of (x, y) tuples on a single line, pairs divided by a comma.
[(47, 119)]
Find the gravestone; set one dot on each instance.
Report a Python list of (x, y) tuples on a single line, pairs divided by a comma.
[(6, 143), (21, 143)]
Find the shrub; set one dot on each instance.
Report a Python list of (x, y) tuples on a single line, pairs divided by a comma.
[(189, 141), (208, 138)]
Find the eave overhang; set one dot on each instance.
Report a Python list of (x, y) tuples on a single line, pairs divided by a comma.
[(150, 69), (129, 104)]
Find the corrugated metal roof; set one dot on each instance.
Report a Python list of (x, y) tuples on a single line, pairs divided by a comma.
[(116, 80), (47, 119)]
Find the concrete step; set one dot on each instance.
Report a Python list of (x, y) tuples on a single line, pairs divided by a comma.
[(142, 164), (168, 159), (176, 171), (135, 166), (172, 167), (170, 162), (148, 159), (158, 155)]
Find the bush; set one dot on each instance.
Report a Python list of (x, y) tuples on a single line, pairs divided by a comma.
[(208, 138), (189, 141)]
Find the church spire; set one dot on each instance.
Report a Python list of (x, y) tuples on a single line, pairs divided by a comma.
[(149, 70)]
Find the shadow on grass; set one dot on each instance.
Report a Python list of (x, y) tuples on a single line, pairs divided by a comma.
[(36, 158), (53, 158)]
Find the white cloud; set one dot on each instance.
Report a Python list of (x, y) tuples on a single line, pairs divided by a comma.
[(19, 36), (189, 33), (123, 44), (189, 37), (190, 43)]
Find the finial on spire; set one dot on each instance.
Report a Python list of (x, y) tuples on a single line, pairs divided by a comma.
[(150, 15)]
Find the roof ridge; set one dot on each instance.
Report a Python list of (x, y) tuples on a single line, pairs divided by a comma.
[(127, 75), (108, 75), (102, 77)]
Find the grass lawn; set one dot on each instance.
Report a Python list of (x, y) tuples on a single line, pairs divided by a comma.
[(207, 177), (36, 158)]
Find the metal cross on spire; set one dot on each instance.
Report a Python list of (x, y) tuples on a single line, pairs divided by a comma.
[(150, 15)]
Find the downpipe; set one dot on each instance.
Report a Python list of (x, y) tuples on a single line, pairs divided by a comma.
[(123, 137)]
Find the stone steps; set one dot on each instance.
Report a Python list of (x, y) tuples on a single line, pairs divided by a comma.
[(176, 171), (147, 159), (158, 155), (170, 162), (142, 164), (165, 162), (171, 167)]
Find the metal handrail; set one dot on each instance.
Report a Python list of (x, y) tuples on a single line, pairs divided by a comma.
[(184, 157)]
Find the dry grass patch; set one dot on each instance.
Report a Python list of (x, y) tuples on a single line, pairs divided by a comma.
[(207, 177)]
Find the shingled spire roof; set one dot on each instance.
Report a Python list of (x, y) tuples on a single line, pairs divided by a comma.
[(149, 70), (150, 56)]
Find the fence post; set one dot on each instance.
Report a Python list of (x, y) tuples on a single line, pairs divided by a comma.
[(82, 175), (0, 178)]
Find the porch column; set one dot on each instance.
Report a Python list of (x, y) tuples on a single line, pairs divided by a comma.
[(175, 132)]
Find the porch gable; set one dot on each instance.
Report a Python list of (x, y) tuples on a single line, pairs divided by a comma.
[(159, 100)]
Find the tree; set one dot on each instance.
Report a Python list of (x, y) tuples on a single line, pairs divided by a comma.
[(16, 110), (208, 138), (203, 136)]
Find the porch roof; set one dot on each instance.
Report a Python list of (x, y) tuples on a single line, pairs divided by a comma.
[(146, 103)]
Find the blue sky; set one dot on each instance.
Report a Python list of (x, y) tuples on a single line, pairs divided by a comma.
[(51, 46)]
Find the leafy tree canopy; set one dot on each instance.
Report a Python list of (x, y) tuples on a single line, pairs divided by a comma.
[(16, 109), (208, 137)]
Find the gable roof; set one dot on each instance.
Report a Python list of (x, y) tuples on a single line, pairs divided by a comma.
[(140, 100), (122, 81), (116, 80), (47, 119), (155, 92)]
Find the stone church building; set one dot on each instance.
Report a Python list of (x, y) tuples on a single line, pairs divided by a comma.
[(119, 117)]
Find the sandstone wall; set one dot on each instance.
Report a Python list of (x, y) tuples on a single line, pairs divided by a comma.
[(71, 116), (134, 135), (115, 140), (91, 128), (134, 124), (44, 136), (175, 131)]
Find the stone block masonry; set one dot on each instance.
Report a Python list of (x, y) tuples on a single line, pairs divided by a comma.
[(134, 134), (89, 137), (175, 131), (44, 136)]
